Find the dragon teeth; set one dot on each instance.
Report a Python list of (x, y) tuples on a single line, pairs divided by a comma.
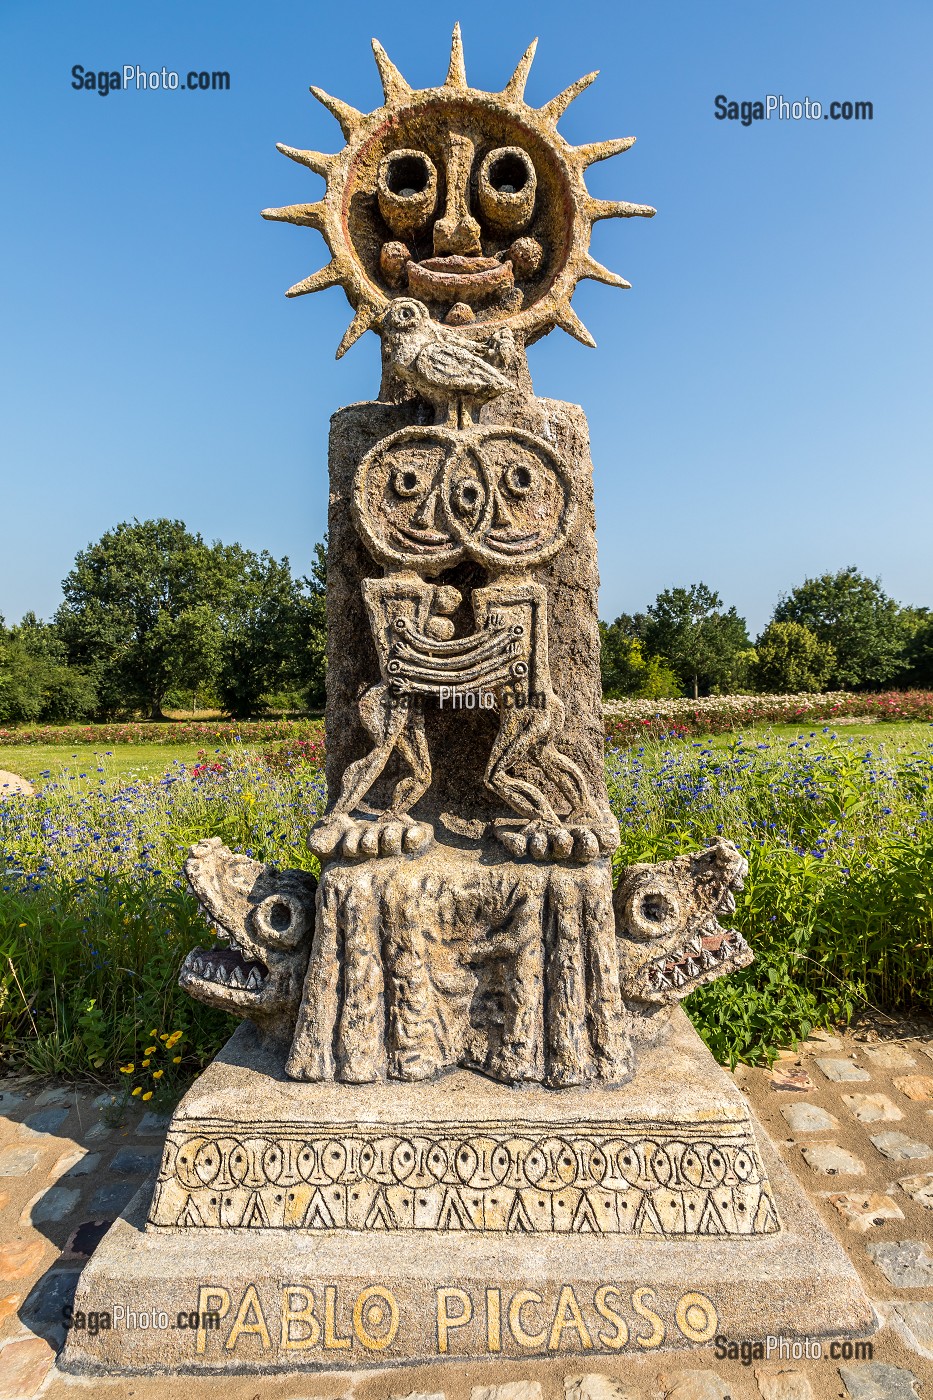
[(678, 978), (197, 966), (236, 978), (253, 981)]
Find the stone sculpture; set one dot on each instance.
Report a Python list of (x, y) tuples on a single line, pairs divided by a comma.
[(481, 934), (599, 1184)]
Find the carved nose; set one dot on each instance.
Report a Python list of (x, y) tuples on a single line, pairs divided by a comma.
[(457, 234), (457, 231)]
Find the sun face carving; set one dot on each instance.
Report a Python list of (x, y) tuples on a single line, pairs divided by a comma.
[(467, 201)]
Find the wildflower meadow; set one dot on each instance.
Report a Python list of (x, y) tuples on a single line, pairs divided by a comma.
[(95, 917)]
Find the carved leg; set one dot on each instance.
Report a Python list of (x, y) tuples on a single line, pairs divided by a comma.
[(312, 1055), (361, 1038), (384, 724), (569, 1060), (413, 747), (520, 731)]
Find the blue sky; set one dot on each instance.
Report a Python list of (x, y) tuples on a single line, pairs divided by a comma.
[(759, 403)]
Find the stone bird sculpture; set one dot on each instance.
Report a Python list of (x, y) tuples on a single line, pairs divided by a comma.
[(447, 370)]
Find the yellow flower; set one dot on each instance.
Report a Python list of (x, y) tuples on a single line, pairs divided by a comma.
[(136, 1091), (151, 1049), (24, 925), (176, 1060), (127, 1069), (153, 1032), (173, 1039), (158, 1073), (164, 1035), (145, 1064), (147, 1095)]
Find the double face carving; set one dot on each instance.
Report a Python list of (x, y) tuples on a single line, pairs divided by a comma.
[(428, 497)]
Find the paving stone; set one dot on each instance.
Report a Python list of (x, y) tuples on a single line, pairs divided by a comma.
[(511, 1390), (17, 1161), (863, 1209), (4, 1199), (153, 1124), (914, 1321), (108, 1201), (823, 1040), (791, 1077), (24, 1365), (135, 1161), (904, 1263), (784, 1385), (927, 1050), (20, 1258), (694, 1385), (899, 1147), (42, 1310), (808, 1118), (594, 1386), (919, 1188), (54, 1098), (9, 1302), (832, 1160), (876, 1380), (872, 1108), (76, 1163), (918, 1087), (9, 1100), (425, 1395), (889, 1056), (47, 1120), (50, 1206), (97, 1133), (842, 1071)]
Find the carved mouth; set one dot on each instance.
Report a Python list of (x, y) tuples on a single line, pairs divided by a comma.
[(458, 278), (225, 967), (513, 541), (427, 539), (699, 959)]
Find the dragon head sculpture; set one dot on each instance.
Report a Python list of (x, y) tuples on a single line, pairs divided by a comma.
[(667, 921), (265, 918)]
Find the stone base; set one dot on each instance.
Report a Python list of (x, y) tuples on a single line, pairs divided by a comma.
[(336, 1227)]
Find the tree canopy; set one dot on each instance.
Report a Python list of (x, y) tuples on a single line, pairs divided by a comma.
[(856, 617), (706, 645)]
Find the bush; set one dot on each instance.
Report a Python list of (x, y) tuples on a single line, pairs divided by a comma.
[(790, 659)]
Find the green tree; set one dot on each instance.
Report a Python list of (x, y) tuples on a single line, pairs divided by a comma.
[(36, 684), (791, 659), (856, 617), (143, 612), (626, 671), (703, 643), (917, 662)]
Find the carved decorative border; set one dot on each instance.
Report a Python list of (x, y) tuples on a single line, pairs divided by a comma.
[(565, 1178)]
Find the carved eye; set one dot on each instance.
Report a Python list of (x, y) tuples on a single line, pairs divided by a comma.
[(406, 481), (506, 188), (518, 480), (406, 187), (280, 921)]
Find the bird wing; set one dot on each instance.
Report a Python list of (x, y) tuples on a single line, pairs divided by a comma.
[(457, 368)]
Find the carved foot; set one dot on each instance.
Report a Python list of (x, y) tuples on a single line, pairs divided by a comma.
[(577, 841), (361, 839)]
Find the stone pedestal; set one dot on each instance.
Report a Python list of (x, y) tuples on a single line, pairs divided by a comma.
[(335, 1226)]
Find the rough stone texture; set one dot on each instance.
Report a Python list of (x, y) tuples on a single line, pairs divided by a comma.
[(864, 1209), (919, 1188), (915, 1323), (694, 1385), (889, 1056), (916, 1086), (24, 1365), (841, 1070), (904, 1263), (52, 1204), (872, 1108), (16, 1161), (47, 1120), (785, 1384), (593, 1385), (900, 1148), (876, 1380), (808, 1118), (21, 1258), (831, 1160), (791, 1077)]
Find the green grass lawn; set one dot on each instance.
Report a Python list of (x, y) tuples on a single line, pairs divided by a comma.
[(40, 762), (895, 736)]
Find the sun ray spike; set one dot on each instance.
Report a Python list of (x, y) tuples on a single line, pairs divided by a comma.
[(329, 276), (602, 150), (314, 160), (310, 215), (618, 209), (456, 73), (364, 318), (569, 321), (553, 111), (394, 86), (350, 118), (597, 273), (514, 90)]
